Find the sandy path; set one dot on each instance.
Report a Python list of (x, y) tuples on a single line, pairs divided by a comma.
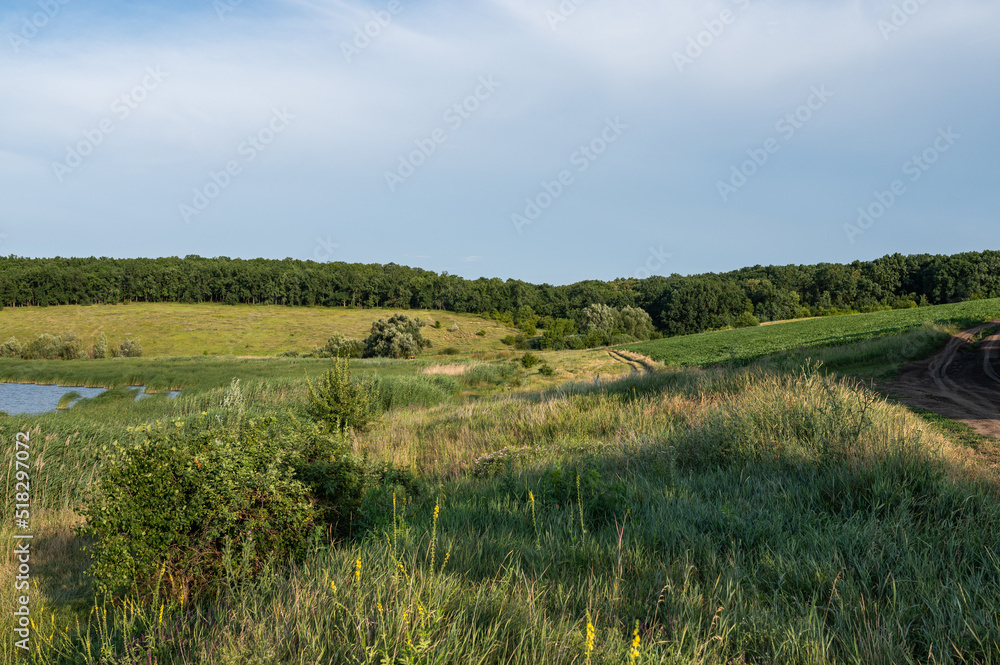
[(961, 381)]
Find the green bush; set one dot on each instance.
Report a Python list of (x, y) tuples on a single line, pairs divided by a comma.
[(12, 348), (396, 337), (180, 499), (546, 370), (529, 360), (449, 351), (100, 349), (44, 347), (339, 402), (339, 346), (128, 348), (481, 333)]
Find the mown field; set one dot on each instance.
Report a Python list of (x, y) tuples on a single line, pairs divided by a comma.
[(766, 513), (174, 329), (746, 344)]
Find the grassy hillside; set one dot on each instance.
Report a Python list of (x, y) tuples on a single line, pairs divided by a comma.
[(171, 329), (722, 516), (748, 344)]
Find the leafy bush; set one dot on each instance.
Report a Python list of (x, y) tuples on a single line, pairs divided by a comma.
[(437, 324), (396, 337), (100, 349), (338, 402), (339, 346), (546, 370), (454, 328), (529, 360), (481, 333), (44, 347), (637, 323), (12, 348), (176, 501), (449, 351), (128, 348)]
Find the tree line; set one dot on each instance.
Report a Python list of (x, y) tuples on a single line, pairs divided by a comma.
[(676, 304)]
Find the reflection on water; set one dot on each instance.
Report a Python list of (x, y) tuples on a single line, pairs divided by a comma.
[(21, 398)]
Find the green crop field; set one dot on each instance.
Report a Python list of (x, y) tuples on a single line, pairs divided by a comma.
[(175, 329), (748, 344)]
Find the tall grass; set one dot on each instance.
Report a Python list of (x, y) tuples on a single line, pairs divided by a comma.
[(720, 516)]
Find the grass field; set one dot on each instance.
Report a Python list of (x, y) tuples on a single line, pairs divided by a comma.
[(748, 344), (168, 329), (728, 515)]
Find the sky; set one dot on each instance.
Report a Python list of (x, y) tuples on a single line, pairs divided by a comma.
[(550, 141)]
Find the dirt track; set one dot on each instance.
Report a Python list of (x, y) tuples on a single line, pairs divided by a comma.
[(962, 381)]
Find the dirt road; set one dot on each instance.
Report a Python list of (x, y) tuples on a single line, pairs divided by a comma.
[(637, 361), (962, 381)]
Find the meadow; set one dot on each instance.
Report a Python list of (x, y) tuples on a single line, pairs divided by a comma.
[(754, 512), (176, 329), (747, 344)]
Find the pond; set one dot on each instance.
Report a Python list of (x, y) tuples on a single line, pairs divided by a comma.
[(31, 398)]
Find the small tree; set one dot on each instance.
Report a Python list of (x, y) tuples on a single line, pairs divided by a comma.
[(604, 319), (396, 337), (337, 402), (637, 323), (101, 345)]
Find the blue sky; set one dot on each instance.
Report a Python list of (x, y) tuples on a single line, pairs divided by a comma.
[(547, 141)]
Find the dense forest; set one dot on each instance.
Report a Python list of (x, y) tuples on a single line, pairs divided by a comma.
[(677, 304)]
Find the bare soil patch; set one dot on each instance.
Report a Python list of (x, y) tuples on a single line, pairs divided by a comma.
[(962, 381)]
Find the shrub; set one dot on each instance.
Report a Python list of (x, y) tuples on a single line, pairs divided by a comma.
[(339, 346), (437, 324), (529, 360), (100, 349), (128, 348), (337, 402), (176, 500), (454, 328), (508, 340), (746, 320), (289, 354), (11, 349), (449, 351), (546, 370), (44, 347), (637, 323), (481, 333), (396, 337)]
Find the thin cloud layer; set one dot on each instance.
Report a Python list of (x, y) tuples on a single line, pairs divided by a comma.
[(480, 131)]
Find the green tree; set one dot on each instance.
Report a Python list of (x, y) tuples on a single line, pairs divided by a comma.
[(396, 337), (101, 345)]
